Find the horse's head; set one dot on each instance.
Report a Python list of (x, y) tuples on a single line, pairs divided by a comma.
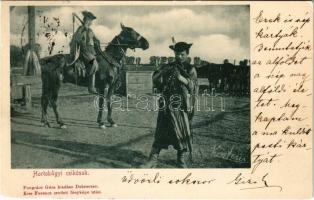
[(132, 39)]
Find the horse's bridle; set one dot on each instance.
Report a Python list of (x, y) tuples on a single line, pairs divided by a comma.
[(126, 44), (120, 48), (120, 45)]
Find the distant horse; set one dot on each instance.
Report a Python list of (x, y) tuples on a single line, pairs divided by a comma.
[(209, 71), (55, 67)]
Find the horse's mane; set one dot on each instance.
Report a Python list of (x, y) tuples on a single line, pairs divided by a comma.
[(114, 49)]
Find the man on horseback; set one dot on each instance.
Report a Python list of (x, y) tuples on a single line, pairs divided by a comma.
[(85, 40)]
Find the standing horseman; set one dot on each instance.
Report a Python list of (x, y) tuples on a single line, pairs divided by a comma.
[(84, 41), (176, 81), (247, 77), (233, 80), (227, 73), (244, 76)]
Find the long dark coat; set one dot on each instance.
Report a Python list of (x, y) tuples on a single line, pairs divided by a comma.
[(176, 107)]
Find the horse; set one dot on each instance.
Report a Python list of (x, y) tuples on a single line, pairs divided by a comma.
[(57, 67)]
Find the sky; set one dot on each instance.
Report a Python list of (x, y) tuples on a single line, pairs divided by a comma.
[(217, 32)]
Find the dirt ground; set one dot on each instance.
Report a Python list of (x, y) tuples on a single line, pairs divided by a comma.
[(221, 139)]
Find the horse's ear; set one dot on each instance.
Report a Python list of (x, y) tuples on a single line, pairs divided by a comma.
[(122, 26)]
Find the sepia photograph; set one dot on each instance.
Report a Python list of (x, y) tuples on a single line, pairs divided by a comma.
[(130, 86)]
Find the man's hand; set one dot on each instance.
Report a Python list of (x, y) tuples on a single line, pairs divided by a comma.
[(176, 73), (180, 77)]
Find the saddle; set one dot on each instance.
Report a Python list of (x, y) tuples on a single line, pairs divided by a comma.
[(82, 70), (80, 67)]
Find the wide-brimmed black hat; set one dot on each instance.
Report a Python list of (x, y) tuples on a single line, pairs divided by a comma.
[(180, 46), (88, 15)]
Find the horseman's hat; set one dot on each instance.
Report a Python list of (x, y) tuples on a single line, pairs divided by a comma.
[(88, 15), (180, 46)]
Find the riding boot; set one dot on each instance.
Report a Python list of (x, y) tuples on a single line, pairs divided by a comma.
[(181, 159), (153, 159), (91, 84)]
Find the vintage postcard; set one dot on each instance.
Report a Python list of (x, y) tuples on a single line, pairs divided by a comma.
[(156, 99)]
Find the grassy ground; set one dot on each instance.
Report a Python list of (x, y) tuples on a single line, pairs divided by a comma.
[(221, 138)]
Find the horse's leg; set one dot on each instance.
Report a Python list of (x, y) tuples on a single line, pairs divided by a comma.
[(56, 84), (44, 107), (55, 110), (45, 99), (101, 99), (109, 106)]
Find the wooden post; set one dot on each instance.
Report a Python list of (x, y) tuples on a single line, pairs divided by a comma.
[(31, 41), (29, 65), (28, 97), (31, 27)]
